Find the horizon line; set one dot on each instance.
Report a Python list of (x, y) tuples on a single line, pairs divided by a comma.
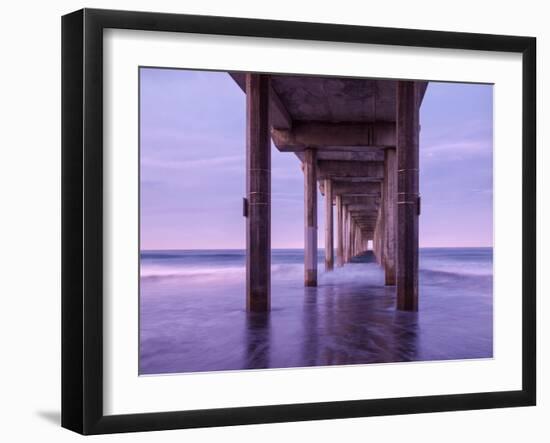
[(319, 249)]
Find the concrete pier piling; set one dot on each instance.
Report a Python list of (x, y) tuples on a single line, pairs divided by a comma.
[(340, 231), (310, 215), (329, 230), (407, 196), (258, 190), (390, 210)]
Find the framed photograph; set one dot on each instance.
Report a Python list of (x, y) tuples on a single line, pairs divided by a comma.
[(269, 221)]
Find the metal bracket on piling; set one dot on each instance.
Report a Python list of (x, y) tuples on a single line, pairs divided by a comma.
[(245, 207)]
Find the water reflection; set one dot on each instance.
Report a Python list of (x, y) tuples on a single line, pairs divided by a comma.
[(310, 351), (347, 324), (257, 332)]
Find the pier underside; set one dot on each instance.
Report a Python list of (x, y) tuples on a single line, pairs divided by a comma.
[(357, 140)]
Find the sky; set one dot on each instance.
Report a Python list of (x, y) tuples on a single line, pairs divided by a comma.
[(192, 166)]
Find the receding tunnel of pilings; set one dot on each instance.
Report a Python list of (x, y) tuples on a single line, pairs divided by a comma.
[(357, 141)]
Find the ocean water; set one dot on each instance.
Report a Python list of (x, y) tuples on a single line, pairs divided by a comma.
[(193, 317)]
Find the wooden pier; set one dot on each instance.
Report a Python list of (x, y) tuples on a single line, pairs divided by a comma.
[(358, 141)]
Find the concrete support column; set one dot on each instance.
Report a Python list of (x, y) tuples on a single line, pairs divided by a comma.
[(310, 213), (345, 233), (407, 196), (354, 251), (339, 231), (258, 192), (380, 230), (375, 245), (378, 238), (348, 235), (382, 227), (350, 245), (329, 230), (352, 239), (390, 208)]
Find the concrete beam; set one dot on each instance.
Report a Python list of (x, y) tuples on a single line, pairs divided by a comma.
[(340, 187), (368, 196), (363, 211), (347, 155), (362, 207), (367, 200), (374, 180), (306, 135), (363, 218), (278, 114), (366, 226), (366, 223), (358, 218), (420, 92), (334, 169)]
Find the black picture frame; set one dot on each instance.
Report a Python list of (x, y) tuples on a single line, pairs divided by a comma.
[(82, 218)]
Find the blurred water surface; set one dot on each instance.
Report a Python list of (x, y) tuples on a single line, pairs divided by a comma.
[(193, 317)]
